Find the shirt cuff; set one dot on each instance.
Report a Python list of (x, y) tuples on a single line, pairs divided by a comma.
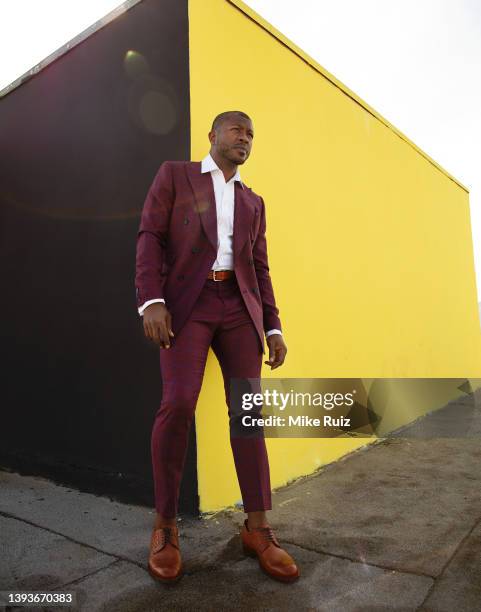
[(273, 331), (148, 303)]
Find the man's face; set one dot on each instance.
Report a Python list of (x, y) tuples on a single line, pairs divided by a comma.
[(233, 139)]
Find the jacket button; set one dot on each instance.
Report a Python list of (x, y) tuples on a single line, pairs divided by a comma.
[(186, 221), (195, 250), (254, 290), (251, 262), (181, 277)]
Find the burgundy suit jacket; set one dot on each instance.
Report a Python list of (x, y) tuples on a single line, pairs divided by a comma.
[(177, 245)]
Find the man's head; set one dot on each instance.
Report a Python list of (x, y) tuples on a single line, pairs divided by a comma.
[(231, 136)]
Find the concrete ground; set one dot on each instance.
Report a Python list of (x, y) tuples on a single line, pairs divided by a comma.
[(393, 527)]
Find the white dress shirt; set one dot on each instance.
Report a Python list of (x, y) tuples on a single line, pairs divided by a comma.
[(224, 204)]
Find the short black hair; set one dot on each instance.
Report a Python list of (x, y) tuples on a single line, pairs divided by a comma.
[(226, 115)]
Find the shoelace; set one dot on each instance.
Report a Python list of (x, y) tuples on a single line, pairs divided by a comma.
[(166, 535), (165, 538), (267, 533)]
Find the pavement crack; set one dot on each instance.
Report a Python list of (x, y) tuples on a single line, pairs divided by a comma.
[(92, 573), (354, 560), (70, 539)]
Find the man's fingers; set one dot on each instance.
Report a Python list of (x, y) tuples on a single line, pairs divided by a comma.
[(277, 361), (149, 330), (281, 357), (159, 330), (164, 336), (278, 358), (155, 332)]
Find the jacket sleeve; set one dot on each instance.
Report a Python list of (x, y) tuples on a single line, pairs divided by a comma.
[(259, 252), (152, 237)]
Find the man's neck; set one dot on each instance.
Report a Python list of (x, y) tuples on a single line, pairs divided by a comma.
[(227, 167)]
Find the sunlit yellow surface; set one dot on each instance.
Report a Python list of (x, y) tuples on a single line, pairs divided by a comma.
[(369, 239)]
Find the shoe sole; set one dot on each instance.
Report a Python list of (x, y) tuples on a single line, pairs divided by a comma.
[(252, 553), (165, 580)]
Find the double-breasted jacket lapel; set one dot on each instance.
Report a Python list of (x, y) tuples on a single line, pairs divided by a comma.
[(244, 208)]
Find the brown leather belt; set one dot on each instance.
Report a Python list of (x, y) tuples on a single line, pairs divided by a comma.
[(220, 275)]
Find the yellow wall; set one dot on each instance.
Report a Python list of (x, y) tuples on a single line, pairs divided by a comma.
[(369, 239)]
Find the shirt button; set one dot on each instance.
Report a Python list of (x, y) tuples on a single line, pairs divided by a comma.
[(195, 250), (186, 221)]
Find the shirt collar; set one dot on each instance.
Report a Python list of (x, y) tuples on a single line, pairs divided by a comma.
[(208, 164)]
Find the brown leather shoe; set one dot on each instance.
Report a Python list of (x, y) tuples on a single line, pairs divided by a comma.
[(261, 542), (165, 563)]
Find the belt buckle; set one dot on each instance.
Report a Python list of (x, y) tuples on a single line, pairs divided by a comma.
[(213, 276)]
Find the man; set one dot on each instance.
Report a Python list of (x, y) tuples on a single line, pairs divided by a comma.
[(202, 279)]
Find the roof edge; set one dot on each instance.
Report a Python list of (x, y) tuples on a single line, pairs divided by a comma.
[(249, 12), (68, 46)]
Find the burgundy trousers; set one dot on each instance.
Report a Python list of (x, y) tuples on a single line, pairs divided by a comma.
[(219, 319)]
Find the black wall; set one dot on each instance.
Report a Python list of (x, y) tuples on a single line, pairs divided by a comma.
[(80, 144)]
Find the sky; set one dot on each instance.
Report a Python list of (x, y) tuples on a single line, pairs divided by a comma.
[(415, 61)]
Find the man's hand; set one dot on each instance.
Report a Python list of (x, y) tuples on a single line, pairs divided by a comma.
[(277, 350), (158, 324)]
